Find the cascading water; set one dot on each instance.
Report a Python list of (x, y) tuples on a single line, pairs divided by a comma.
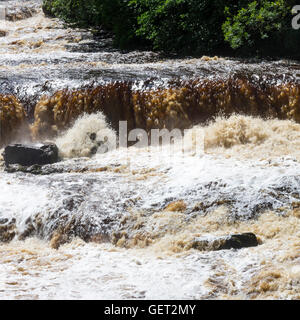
[(121, 224)]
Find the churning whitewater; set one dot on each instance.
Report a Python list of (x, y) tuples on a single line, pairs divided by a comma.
[(129, 218), (114, 222)]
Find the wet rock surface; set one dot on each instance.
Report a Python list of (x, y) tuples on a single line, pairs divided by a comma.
[(15, 12), (234, 241), (35, 169), (7, 229), (85, 199), (27, 155)]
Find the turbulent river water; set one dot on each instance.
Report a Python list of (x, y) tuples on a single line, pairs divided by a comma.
[(121, 224)]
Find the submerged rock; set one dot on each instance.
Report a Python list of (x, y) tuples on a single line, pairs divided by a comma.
[(15, 12), (234, 241), (7, 229), (27, 155), (35, 169)]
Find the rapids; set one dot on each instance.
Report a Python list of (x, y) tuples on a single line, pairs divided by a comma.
[(121, 224)]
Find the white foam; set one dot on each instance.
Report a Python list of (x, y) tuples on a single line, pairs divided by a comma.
[(77, 141)]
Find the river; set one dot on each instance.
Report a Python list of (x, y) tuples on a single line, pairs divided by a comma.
[(121, 224)]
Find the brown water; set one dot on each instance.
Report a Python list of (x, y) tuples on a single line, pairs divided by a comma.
[(121, 225)]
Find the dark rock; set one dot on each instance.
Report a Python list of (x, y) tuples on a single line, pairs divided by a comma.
[(35, 169), (94, 150), (238, 241), (28, 230), (101, 146), (234, 241), (93, 136), (7, 229), (27, 155)]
